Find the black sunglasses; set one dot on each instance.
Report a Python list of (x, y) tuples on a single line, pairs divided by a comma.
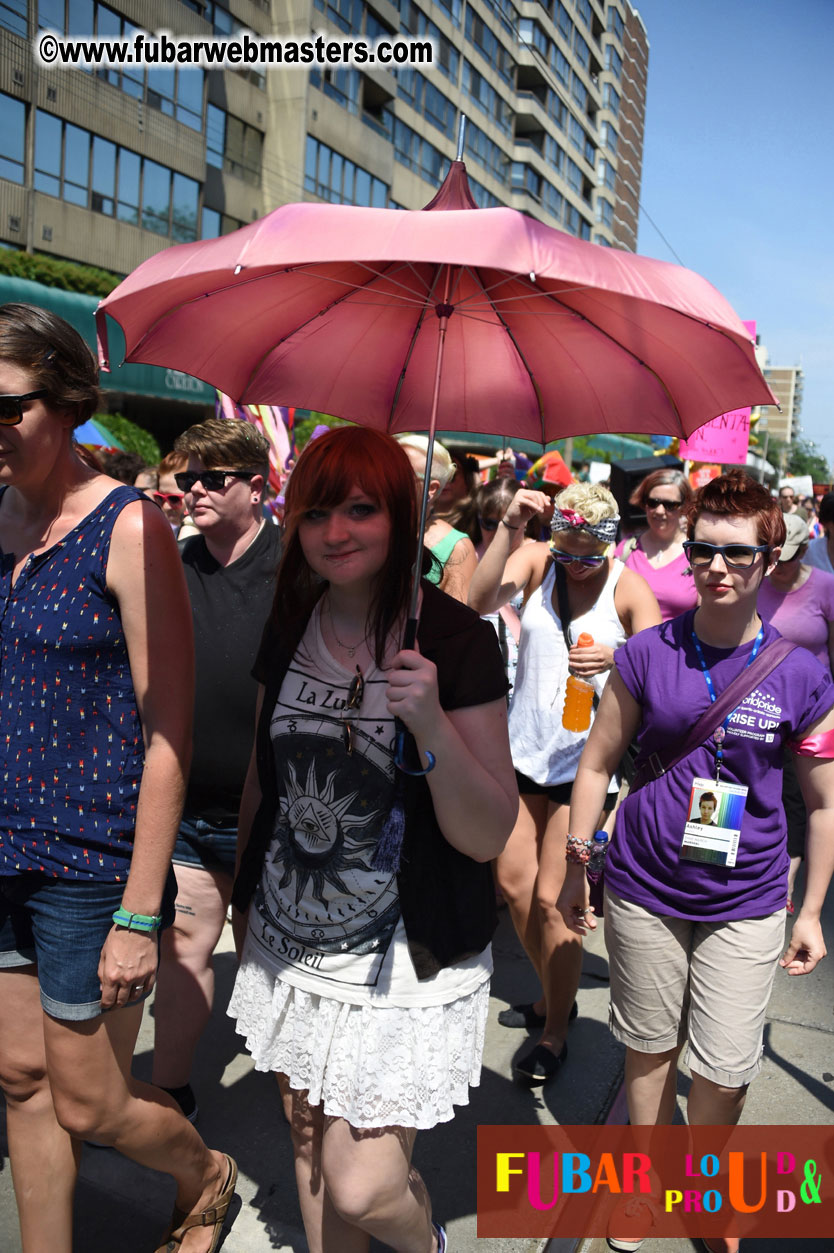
[(212, 480), (489, 524), (735, 556), (652, 502), (11, 406), (354, 703)]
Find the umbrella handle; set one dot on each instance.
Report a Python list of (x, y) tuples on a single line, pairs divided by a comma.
[(409, 640)]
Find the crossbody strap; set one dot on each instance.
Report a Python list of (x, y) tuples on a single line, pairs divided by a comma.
[(651, 768)]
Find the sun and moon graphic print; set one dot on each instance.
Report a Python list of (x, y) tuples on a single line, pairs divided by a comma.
[(322, 913)]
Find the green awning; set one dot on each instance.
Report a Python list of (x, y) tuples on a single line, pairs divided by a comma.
[(132, 380)]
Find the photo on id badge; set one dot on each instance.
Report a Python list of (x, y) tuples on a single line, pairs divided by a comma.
[(713, 824)]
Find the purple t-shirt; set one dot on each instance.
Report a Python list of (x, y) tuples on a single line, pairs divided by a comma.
[(803, 614), (660, 668), (672, 584)]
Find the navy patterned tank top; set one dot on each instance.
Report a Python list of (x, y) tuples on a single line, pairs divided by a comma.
[(71, 747)]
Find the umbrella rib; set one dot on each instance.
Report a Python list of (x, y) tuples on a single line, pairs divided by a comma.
[(401, 380), (521, 358), (319, 312)]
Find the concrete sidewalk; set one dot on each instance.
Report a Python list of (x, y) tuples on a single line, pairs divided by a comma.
[(122, 1208)]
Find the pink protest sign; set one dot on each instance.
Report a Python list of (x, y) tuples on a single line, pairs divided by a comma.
[(725, 438)]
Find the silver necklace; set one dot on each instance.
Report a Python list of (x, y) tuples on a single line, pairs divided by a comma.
[(350, 649)]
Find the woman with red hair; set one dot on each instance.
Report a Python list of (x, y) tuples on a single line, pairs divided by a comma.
[(364, 981), (695, 912)]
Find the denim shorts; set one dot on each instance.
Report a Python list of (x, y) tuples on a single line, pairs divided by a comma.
[(60, 926), (212, 846)]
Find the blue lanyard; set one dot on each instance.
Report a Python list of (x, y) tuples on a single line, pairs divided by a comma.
[(720, 732)]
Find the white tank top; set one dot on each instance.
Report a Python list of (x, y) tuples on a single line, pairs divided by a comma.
[(542, 749)]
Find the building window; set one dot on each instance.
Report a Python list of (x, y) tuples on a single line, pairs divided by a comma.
[(175, 92), (423, 96), (532, 35), (214, 223), (610, 99), (215, 136), (557, 110), (554, 154), (580, 93), (583, 9), (487, 153), (487, 98), (12, 139), (340, 85), (491, 47), (452, 8), (615, 23), (605, 212), (243, 152), (103, 198), (13, 17), (51, 15), (525, 179), (613, 60), (552, 200), (581, 51), (484, 199), (417, 154), (563, 22), (48, 145), (414, 22), (90, 171), (346, 14), (606, 174), (561, 66), (332, 177), (574, 176), (608, 137)]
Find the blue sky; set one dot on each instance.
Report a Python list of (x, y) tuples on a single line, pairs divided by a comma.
[(738, 170)]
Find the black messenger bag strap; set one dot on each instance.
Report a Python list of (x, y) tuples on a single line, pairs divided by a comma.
[(659, 763)]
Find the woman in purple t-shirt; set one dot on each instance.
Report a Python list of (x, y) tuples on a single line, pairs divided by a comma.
[(694, 918)]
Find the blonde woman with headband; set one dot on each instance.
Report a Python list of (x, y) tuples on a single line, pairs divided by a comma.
[(453, 550), (609, 602)]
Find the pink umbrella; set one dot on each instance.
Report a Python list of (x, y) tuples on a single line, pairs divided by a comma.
[(361, 312)]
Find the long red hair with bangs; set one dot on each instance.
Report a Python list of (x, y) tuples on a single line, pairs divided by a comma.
[(327, 471), (736, 494)]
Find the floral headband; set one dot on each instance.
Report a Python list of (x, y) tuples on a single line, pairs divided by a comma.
[(567, 520)]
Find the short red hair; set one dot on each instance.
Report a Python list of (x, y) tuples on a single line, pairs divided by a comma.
[(737, 495)]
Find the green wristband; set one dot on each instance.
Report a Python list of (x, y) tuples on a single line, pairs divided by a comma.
[(145, 923)]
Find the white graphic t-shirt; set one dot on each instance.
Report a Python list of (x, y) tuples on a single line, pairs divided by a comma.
[(323, 919)]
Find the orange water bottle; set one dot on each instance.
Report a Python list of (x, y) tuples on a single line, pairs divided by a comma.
[(579, 696)]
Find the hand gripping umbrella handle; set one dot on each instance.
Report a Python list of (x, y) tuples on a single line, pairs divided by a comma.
[(402, 734)]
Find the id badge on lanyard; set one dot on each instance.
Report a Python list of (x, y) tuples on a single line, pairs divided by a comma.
[(713, 821)]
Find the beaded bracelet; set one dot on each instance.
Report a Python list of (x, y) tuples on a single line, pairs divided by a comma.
[(578, 851)]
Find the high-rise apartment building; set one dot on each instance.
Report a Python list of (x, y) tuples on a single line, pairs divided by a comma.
[(106, 166), (786, 382)]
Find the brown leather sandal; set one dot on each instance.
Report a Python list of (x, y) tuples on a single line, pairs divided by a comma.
[(213, 1216)]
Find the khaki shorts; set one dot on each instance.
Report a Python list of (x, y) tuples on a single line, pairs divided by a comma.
[(710, 982)]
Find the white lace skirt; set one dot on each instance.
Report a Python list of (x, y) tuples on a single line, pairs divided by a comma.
[(373, 1066)]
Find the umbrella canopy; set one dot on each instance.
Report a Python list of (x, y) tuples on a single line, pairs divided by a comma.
[(342, 310)]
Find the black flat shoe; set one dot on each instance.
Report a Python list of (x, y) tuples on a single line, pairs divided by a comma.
[(540, 1064), (525, 1016)]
